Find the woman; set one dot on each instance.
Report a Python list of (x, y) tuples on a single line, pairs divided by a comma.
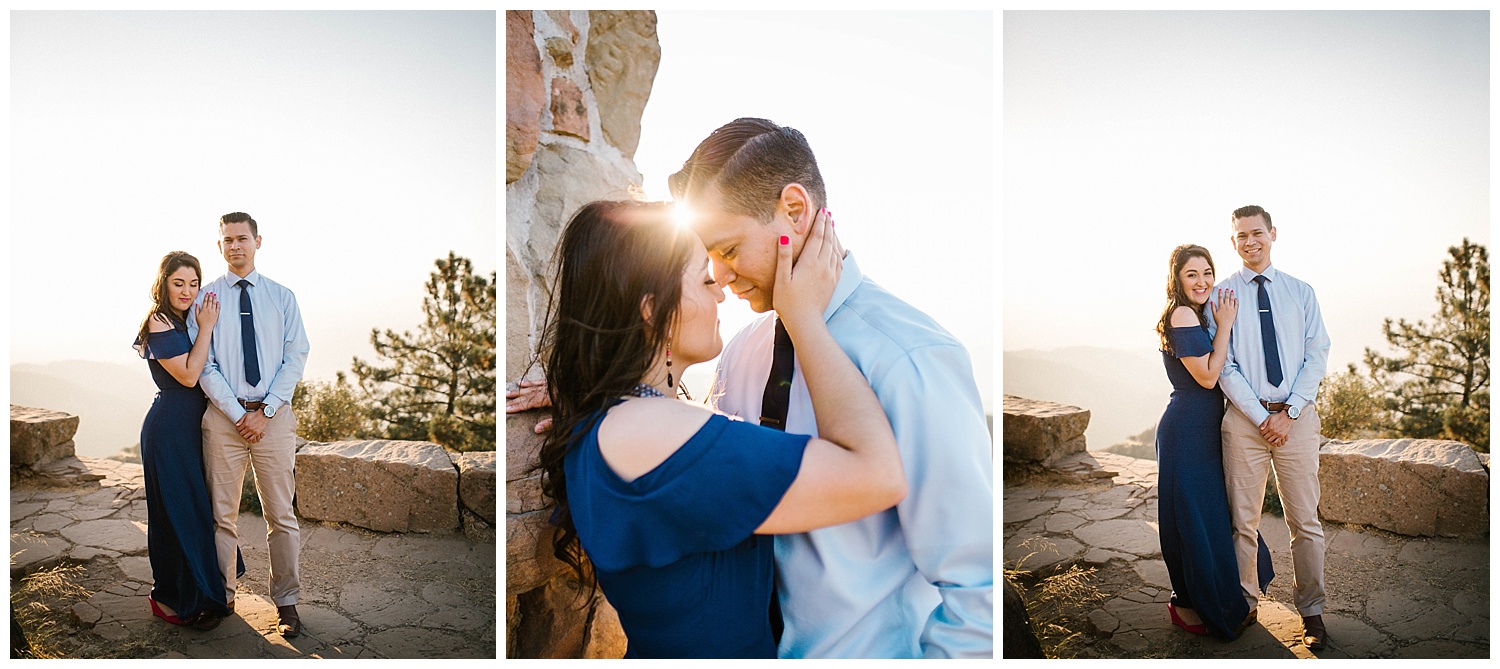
[(1193, 511), (672, 503), (188, 589)]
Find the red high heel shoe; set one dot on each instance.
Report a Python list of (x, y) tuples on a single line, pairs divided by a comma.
[(156, 611), (1178, 621)]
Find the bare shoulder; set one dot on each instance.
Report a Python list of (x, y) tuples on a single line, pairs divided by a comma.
[(640, 434), (158, 323), (1184, 317)]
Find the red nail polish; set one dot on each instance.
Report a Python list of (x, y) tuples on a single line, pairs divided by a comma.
[(785, 240)]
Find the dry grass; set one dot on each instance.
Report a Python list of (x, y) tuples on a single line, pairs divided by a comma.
[(42, 604), (1058, 604)]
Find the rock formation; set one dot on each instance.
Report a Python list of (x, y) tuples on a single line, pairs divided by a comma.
[(576, 85), (40, 436), (386, 486), (1038, 431), (1416, 487)]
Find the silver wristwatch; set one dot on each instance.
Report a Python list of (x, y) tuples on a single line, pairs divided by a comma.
[(1293, 411), (270, 411)]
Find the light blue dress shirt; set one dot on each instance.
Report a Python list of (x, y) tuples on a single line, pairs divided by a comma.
[(916, 580), (1302, 344), (280, 345)]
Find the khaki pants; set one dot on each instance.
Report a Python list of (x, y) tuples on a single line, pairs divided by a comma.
[(1247, 460), (225, 456)]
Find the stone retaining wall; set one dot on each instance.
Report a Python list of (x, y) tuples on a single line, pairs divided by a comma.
[(387, 486), (1416, 487), (576, 85), (397, 486)]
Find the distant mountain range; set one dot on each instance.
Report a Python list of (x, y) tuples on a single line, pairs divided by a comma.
[(1126, 391), (110, 399)]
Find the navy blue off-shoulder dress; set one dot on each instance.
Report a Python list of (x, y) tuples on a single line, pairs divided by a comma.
[(675, 550), (1192, 507), (180, 526)]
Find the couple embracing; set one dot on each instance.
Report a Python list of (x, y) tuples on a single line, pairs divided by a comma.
[(834, 499), (225, 389), (1268, 360)]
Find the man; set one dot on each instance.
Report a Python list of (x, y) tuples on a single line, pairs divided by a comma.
[(257, 356), (913, 581), (1278, 353)]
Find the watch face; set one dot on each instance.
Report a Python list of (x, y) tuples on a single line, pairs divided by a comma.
[(1293, 412)]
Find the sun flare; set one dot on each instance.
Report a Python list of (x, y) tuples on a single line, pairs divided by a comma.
[(682, 215)]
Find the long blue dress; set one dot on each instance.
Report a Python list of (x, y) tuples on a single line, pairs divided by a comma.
[(675, 550), (180, 526), (1192, 506)]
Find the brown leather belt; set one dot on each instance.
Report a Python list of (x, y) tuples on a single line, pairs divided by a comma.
[(1273, 407), (255, 406)]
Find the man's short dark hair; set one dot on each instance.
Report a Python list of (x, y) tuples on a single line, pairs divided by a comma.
[(239, 217), (1251, 210), (750, 160)]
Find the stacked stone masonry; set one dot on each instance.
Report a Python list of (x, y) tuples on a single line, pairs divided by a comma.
[(577, 83)]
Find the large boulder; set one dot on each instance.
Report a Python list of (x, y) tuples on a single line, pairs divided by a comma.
[(386, 486), (1416, 487), (39, 436), (1041, 431), (476, 483)]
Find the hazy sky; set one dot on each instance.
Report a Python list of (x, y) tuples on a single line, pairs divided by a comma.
[(898, 107), (1365, 134), (362, 142)]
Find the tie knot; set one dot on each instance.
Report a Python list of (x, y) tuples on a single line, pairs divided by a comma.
[(1260, 279), (245, 282)]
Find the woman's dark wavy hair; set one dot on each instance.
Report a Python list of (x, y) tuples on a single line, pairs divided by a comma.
[(597, 345), (161, 303), (1176, 296)]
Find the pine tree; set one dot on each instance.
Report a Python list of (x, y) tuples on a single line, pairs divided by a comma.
[(1439, 380), (439, 384)]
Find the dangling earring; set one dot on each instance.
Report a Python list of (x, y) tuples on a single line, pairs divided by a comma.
[(669, 364)]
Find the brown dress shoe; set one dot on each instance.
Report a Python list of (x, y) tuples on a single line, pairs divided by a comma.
[(230, 606), (1245, 624), (205, 621), (1314, 634), (290, 625)]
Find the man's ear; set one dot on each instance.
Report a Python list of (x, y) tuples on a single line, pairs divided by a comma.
[(797, 204), (1273, 233)]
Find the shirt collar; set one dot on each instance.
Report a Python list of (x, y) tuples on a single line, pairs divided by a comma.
[(233, 279), (1248, 275), (849, 279)]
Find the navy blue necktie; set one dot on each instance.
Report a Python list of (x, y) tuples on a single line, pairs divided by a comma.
[(774, 403), (776, 399), (1268, 332), (247, 335)]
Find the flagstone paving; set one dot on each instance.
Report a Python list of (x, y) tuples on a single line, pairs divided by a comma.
[(1389, 596), (364, 594)]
